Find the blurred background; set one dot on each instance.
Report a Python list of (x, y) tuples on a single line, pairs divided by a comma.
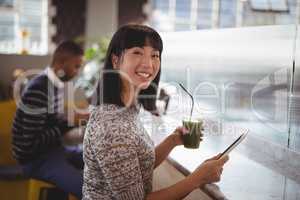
[(239, 58)]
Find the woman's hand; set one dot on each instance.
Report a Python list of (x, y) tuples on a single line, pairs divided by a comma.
[(209, 171), (177, 135)]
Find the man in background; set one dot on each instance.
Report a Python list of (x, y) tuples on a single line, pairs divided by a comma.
[(40, 124)]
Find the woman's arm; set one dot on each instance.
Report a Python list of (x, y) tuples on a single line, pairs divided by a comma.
[(208, 172), (166, 146), (174, 192)]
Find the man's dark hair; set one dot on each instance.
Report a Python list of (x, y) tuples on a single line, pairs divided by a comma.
[(65, 50), (109, 88)]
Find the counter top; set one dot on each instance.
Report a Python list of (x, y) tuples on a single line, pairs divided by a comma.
[(251, 173)]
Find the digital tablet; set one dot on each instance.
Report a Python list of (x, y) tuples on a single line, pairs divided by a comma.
[(235, 143)]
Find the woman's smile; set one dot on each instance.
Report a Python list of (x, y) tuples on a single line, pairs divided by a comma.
[(143, 74)]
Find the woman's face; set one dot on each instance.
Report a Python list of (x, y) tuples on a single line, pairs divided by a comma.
[(138, 65)]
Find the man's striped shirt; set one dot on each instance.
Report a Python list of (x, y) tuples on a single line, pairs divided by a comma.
[(38, 125)]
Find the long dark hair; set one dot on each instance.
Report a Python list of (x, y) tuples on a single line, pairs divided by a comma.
[(110, 86)]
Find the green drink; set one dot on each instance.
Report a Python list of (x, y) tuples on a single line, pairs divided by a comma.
[(192, 139)]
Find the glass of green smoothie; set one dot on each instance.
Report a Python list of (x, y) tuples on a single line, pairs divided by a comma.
[(193, 138)]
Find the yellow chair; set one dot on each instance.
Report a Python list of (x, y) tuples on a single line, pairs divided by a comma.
[(26, 189), (15, 188), (7, 110)]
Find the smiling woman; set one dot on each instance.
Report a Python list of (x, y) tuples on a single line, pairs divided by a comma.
[(119, 155)]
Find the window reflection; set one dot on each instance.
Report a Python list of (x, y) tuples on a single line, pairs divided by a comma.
[(242, 77)]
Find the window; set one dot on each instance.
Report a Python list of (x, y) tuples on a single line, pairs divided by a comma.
[(228, 13), (183, 15), (161, 15), (270, 5), (6, 3), (204, 14), (178, 15), (23, 26)]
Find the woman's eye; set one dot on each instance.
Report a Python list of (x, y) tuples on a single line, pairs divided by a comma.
[(138, 52), (155, 56)]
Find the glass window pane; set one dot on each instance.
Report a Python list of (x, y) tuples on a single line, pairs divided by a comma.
[(270, 5), (204, 14), (6, 3), (248, 79), (162, 6), (161, 19), (28, 21), (7, 27), (295, 99), (279, 5), (260, 4), (183, 9), (292, 192), (227, 13), (241, 78)]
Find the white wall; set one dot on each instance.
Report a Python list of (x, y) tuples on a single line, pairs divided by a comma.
[(102, 19)]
